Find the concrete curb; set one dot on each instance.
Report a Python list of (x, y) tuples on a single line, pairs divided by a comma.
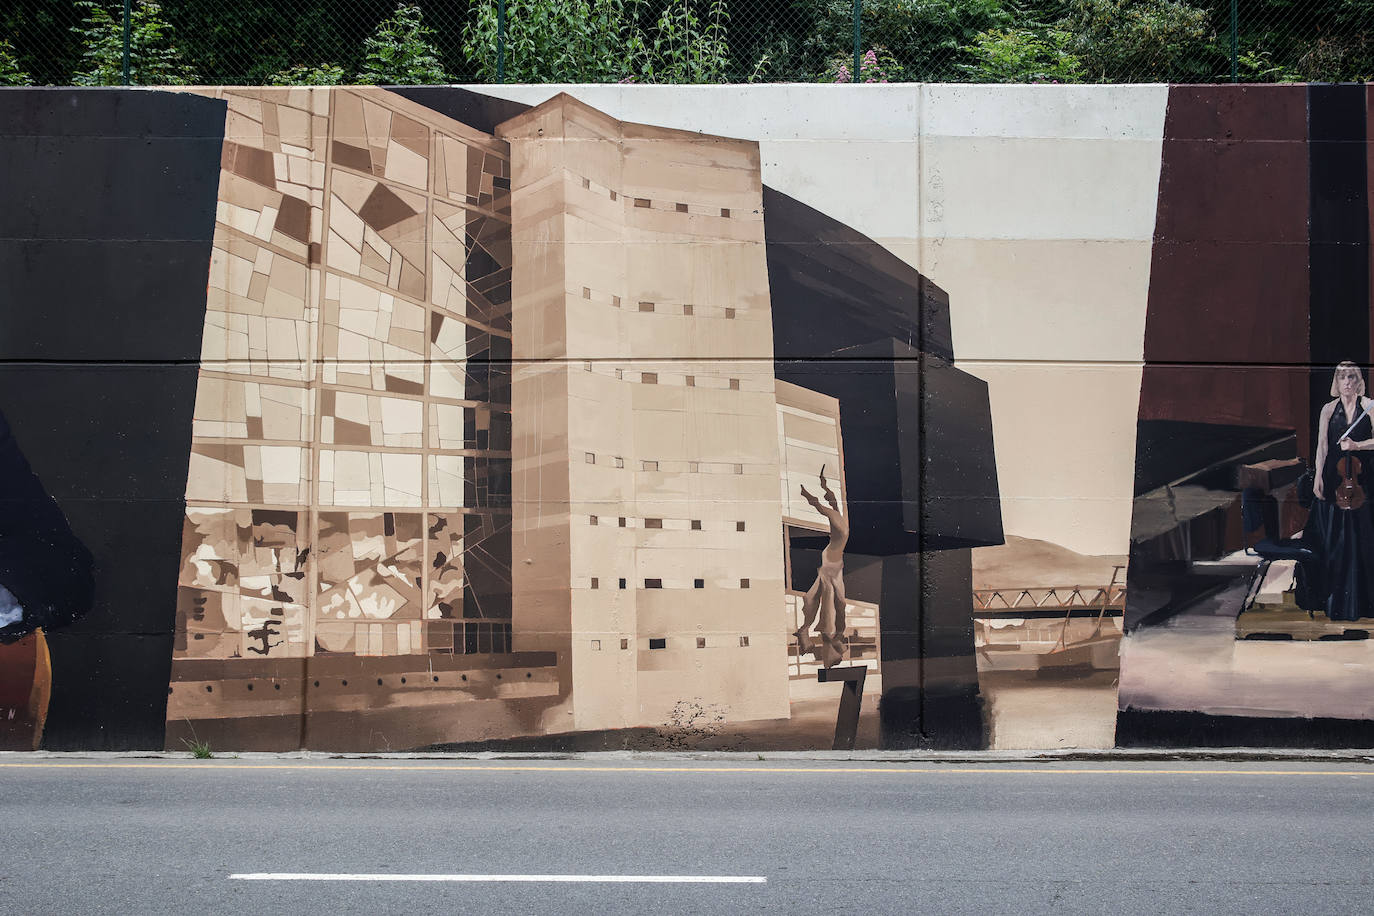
[(1256, 755)]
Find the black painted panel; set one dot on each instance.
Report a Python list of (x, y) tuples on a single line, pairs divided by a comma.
[(478, 111), (102, 244), (105, 250), (933, 703), (865, 388), (109, 691), (834, 287), (960, 505), (1338, 223)]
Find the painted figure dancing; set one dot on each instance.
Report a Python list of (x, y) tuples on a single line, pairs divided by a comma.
[(826, 598)]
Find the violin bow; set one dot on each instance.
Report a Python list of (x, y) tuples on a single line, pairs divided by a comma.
[(1345, 435)]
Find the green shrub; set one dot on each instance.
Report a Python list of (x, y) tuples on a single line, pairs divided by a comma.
[(318, 75), (927, 37), (1133, 40), (154, 59), (401, 52), (11, 74), (687, 45), (1022, 56), (600, 41), (552, 41)]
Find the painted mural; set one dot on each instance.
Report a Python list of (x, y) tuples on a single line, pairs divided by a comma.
[(1249, 614), (438, 418)]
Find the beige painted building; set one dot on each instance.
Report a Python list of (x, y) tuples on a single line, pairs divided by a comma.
[(647, 525), (340, 439), (346, 547), (470, 463)]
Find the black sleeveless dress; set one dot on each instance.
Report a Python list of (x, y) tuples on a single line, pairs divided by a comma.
[(1341, 580)]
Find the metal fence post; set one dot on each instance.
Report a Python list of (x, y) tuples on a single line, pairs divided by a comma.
[(857, 65), (128, 14), (501, 41), (1235, 67)]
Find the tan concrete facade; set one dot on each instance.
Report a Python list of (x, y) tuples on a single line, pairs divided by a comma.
[(647, 525)]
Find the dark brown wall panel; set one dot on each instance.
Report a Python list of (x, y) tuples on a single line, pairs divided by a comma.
[(1210, 112), (1228, 279)]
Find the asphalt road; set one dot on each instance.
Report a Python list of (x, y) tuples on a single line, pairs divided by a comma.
[(153, 836)]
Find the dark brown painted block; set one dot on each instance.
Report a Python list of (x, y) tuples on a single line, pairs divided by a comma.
[(1238, 301), (1210, 112), (249, 162), (1253, 395), (294, 218), (1233, 191)]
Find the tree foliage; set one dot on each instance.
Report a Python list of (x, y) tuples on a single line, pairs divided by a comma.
[(599, 41), (154, 59), (1023, 56), (318, 42), (11, 74), (401, 52), (927, 36), (687, 44), (1117, 40), (317, 75), (573, 41)]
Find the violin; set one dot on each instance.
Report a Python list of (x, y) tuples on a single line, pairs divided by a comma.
[(1349, 493)]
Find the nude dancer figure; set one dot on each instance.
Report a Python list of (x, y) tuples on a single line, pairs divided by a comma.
[(826, 595)]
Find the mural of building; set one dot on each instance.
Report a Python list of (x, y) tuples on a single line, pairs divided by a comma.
[(433, 417), (647, 530), (392, 374), (348, 503)]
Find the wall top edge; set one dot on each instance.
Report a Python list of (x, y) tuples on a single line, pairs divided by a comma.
[(696, 87)]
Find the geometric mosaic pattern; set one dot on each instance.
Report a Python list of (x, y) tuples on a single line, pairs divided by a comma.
[(349, 490), (243, 586)]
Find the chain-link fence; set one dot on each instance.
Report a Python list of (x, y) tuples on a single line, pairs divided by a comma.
[(249, 42)]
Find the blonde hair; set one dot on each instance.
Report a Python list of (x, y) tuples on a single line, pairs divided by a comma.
[(1336, 377)]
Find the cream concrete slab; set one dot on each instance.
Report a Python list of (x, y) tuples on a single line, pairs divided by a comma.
[(908, 249), (1066, 111), (873, 186), (1045, 299), (1039, 188), (1064, 438)]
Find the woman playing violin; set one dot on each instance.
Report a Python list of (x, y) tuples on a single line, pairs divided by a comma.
[(1340, 527)]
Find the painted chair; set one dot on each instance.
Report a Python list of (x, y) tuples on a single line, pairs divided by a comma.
[(1254, 517)]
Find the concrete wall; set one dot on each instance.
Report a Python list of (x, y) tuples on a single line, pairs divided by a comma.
[(1040, 337)]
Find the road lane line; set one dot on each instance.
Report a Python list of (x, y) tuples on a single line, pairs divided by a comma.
[(528, 879), (897, 769)]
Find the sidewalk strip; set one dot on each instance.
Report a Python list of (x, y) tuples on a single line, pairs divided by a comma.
[(953, 769), (526, 879)]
